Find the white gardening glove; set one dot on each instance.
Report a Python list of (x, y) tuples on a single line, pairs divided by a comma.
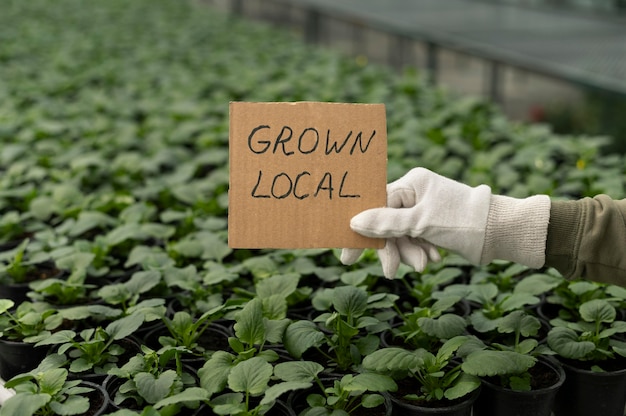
[(469, 221), (412, 251)]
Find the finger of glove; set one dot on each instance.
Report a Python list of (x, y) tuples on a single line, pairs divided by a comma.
[(417, 252), (412, 253), (384, 222), (350, 255), (389, 257), (433, 253)]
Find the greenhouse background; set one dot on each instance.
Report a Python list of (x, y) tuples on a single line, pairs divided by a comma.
[(581, 93), (119, 293)]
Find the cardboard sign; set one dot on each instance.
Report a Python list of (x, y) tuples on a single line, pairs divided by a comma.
[(300, 171)]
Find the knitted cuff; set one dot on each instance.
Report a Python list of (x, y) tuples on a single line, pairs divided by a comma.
[(517, 230)]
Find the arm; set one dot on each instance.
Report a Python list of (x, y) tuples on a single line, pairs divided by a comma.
[(587, 238), (583, 238)]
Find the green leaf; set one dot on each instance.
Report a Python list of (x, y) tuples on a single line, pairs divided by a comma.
[(124, 327), (517, 301), (214, 373), (482, 323), (369, 382), (300, 336), (154, 388), (393, 359), (350, 301), (249, 326), (519, 321), (277, 390), (80, 365), (370, 401), (301, 371), (275, 307), (444, 327), (537, 284), (527, 346), (465, 384), (251, 376), (73, 405), (5, 305), (597, 310), (482, 293), (60, 337), (143, 281), (274, 329), (490, 363), (261, 266), (24, 404), (450, 346), (190, 394), (282, 285), (565, 342), (52, 381)]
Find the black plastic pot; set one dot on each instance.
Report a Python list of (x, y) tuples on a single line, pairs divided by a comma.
[(18, 357), (587, 392), (495, 400), (98, 399), (461, 407), (17, 292)]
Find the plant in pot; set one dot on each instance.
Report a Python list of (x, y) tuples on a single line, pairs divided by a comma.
[(70, 290), (21, 265), (129, 297), (426, 326), (347, 333), (517, 375), (564, 299), (421, 289), (504, 274), (427, 383), (350, 394), (190, 293), (592, 350), (249, 387), (200, 336), (20, 330), (149, 378), (256, 333), (47, 390), (94, 351), (490, 305)]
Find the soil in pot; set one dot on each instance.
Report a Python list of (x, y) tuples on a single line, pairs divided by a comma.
[(494, 400), (406, 407), (586, 392)]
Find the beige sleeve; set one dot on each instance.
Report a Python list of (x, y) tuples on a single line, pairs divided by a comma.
[(587, 238), (516, 230)]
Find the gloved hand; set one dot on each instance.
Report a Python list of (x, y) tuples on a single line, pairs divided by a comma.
[(412, 251), (469, 221)]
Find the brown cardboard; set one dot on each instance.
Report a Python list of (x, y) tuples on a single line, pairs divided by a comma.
[(300, 171)]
